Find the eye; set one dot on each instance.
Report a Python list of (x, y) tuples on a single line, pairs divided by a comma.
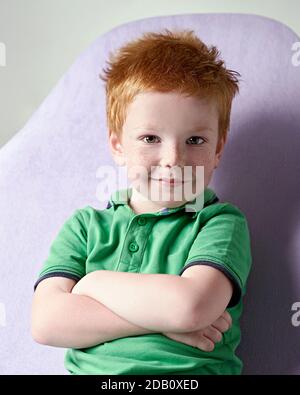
[(149, 137), (196, 137)]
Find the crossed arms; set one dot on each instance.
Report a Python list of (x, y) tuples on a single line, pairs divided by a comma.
[(106, 305), (154, 301)]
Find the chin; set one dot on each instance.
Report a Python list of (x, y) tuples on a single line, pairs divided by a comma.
[(171, 203)]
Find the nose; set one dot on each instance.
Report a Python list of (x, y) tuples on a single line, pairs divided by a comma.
[(172, 155)]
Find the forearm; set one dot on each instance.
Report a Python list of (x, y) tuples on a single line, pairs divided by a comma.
[(87, 323), (152, 301)]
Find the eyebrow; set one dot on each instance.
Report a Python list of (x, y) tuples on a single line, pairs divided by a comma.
[(200, 129), (196, 129)]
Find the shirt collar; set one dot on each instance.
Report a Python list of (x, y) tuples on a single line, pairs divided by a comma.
[(121, 197)]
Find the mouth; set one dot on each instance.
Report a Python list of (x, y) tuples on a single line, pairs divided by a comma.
[(169, 181)]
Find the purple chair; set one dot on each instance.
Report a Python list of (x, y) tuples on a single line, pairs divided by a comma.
[(49, 169)]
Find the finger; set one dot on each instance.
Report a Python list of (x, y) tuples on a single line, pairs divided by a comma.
[(221, 324), (227, 317), (213, 334), (205, 344)]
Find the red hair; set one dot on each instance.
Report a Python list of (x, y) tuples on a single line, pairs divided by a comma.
[(170, 61)]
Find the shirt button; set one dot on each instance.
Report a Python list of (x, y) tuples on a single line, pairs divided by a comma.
[(141, 221), (133, 247)]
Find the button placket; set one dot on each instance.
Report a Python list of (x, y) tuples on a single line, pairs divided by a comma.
[(133, 247), (137, 235), (141, 221)]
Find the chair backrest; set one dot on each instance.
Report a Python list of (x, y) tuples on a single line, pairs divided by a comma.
[(49, 169)]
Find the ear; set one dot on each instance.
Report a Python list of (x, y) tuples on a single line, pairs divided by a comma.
[(116, 149), (219, 149)]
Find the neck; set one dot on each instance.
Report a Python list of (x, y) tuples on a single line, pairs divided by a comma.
[(140, 204)]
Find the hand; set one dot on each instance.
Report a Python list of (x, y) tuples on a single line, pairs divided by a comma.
[(205, 339)]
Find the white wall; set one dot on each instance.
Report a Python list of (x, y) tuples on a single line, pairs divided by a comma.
[(42, 38)]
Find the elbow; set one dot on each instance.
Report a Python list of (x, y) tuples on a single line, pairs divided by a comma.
[(203, 316), (38, 336), (203, 308), (190, 321), (186, 318), (195, 316), (40, 332), (39, 339)]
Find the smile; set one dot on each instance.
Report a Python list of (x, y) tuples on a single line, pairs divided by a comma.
[(167, 181)]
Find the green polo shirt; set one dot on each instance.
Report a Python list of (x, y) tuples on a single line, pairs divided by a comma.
[(167, 241)]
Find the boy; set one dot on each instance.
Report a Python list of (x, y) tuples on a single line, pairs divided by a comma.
[(153, 279)]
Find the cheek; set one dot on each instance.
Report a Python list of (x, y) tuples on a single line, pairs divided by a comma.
[(141, 157), (139, 160), (205, 159), (209, 168), (139, 165), (200, 158)]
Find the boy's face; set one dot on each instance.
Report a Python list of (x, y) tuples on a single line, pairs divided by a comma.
[(161, 135)]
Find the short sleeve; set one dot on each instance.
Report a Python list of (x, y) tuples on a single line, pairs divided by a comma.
[(68, 252), (224, 243)]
